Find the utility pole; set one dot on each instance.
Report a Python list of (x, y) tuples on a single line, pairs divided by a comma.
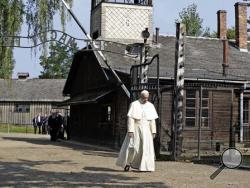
[(178, 91), (99, 52)]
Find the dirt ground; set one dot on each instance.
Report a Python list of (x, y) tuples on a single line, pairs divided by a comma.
[(28, 160)]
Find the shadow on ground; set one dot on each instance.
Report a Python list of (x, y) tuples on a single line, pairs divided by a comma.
[(86, 149), (27, 173), (24, 173)]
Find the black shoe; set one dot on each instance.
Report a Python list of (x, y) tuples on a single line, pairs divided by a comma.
[(126, 168)]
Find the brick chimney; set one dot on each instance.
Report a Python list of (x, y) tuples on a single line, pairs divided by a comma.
[(157, 29), (225, 64), (241, 26), (222, 24)]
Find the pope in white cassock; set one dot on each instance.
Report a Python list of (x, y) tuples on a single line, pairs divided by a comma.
[(137, 150)]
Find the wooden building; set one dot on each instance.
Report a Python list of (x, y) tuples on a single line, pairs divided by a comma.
[(22, 99), (216, 97)]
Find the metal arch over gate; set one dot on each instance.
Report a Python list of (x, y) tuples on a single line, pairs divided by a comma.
[(140, 78), (38, 39)]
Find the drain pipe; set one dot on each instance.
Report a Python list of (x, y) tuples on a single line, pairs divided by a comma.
[(241, 113)]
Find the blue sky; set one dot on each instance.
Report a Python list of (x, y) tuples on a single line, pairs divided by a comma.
[(165, 14)]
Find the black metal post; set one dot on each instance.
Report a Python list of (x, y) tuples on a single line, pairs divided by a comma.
[(231, 129)]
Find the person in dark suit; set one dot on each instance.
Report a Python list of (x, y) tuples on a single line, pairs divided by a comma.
[(39, 120), (45, 124), (34, 124), (136, 1), (52, 123), (60, 125)]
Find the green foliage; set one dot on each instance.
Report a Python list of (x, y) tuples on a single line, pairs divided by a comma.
[(190, 17), (11, 12), (58, 63), (231, 33), (208, 33), (39, 16)]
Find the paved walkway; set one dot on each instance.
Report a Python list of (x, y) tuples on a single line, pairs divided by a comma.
[(33, 161)]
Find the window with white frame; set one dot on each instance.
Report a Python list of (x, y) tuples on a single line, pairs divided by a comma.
[(193, 108), (190, 108)]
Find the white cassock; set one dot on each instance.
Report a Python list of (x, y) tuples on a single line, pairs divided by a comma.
[(138, 151)]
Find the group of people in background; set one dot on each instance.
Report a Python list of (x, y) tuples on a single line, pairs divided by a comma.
[(55, 125), (40, 122)]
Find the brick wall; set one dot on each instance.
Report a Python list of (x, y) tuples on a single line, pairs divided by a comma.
[(222, 24), (241, 25)]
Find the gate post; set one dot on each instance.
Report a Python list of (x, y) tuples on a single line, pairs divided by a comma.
[(177, 127)]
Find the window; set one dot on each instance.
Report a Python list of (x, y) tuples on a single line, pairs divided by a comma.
[(246, 111), (95, 35), (205, 108), (193, 108), (22, 108), (190, 108)]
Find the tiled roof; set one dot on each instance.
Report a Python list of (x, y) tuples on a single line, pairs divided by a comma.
[(32, 90), (204, 58)]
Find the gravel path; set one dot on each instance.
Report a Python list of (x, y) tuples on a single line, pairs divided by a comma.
[(33, 161)]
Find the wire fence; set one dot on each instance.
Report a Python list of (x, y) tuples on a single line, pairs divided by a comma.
[(214, 119)]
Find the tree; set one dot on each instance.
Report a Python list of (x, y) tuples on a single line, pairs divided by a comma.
[(58, 63), (190, 17), (37, 14), (231, 33), (11, 13), (209, 34)]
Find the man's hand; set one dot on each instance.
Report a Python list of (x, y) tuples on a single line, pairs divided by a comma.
[(130, 134)]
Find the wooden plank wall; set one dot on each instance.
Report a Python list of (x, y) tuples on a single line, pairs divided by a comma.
[(219, 120), (9, 116), (221, 114), (166, 119), (121, 110)]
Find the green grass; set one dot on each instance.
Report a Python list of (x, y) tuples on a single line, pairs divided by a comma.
[(16, 128)]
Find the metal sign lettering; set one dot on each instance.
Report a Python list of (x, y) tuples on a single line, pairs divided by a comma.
[(52, 35), (65, 39)]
